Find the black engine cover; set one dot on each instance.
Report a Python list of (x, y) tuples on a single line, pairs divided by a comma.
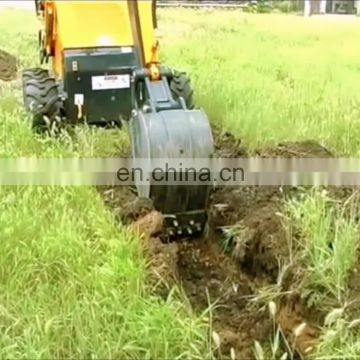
[(100, 81)]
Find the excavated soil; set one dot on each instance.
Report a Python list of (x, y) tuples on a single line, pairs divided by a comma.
[(236, 264), (8, 66)]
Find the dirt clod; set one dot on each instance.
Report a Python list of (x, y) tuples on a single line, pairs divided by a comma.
[(227, 146), (8, 66), (299, 149), (125, 204), (301, 335), (149, 226), (162, 258)]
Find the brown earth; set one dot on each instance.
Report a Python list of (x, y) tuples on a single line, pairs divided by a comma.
[(238, 263), (8, 66)]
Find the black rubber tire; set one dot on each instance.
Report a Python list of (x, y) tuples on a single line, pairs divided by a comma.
[(41, 98), (180, 86)]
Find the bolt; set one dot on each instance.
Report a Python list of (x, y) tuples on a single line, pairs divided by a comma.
[(146, 108), (175, 223), (171, 232), (198, 227), (179, 232), (134, 113), (189, 231), (192, 222)]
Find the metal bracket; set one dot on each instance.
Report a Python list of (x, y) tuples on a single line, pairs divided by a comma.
[(157, 93)]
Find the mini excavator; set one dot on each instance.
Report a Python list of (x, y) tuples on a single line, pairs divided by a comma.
[(105, 70)]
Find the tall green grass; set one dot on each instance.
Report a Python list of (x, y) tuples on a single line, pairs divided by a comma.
[(328, 238), (73, 280), (340, 341), (72, 284), (271, 78)]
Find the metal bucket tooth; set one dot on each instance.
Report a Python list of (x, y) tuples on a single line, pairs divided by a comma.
[(188, 224)]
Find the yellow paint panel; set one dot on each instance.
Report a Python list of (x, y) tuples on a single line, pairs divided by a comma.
[(147, 27), (58, 60), (82, 24)]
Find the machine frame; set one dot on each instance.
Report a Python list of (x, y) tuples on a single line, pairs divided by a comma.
[(111, 75)]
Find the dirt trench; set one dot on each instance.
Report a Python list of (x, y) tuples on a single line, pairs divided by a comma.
[(237, 263), (8, 66)]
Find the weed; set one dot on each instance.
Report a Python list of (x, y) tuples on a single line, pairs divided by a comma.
[(329, 241)]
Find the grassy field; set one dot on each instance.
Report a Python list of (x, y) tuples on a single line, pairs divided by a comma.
[(270, 78), (73, 281)]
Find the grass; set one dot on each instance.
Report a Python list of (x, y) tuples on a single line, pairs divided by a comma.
[(72, 284), (339, 342), (73, 281), (272, 78), (329, 243)]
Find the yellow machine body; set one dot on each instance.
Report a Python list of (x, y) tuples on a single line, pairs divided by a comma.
[(95, 24)]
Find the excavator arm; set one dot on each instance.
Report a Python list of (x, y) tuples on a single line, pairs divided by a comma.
[(163, 128)]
